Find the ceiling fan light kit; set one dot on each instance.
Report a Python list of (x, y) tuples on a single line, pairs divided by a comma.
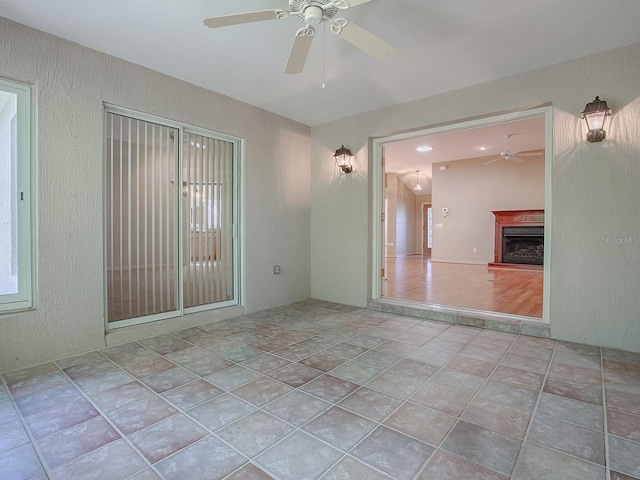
[(314, 13)]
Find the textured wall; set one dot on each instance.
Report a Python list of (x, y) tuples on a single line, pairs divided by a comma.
[(71, 83), (595, 195)]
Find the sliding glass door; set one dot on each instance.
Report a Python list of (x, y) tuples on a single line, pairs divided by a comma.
[(170, 213), (207, 178)]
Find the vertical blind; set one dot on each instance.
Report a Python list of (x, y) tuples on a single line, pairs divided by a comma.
[(207, 180), (147, 253), (141, 219)]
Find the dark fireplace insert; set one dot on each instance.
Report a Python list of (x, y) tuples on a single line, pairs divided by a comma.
[(523, 245)]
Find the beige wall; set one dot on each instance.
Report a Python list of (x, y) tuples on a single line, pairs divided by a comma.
[(405, 220), (471, 190), (419, 201), (400, 217), (391, 195), (594, 192), (71, 84)]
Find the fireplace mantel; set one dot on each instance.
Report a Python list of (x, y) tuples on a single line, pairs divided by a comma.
[(513, 218)]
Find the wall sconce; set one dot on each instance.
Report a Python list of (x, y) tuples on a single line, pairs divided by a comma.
[(595, 115), (343, 159)]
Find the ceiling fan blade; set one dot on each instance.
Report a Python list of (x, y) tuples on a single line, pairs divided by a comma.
[(364, 39), (516, 159), (355, 3), (299, 51), (494, 159), (345, 4), (239, 18), (531, 153)]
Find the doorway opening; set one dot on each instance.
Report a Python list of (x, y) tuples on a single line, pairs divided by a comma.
[(445, 233)]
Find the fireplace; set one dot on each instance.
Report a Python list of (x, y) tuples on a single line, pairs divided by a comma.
[(519, 239), (523, 245)]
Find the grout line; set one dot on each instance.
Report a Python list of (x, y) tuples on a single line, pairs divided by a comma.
[(293, 323), (32, 440), (607, 459), (581, 426), (108, 420), (534, 410)]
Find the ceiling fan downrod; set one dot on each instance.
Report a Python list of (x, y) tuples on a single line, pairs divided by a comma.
[(314, 12)]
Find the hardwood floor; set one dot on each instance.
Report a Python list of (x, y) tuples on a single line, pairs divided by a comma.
[(511, 291)]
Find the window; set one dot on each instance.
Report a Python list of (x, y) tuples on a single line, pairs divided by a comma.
[(170, 212), (430, 227), (15, 197), (203, 206)]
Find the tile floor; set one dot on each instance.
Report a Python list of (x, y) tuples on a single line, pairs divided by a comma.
[(322, 391)]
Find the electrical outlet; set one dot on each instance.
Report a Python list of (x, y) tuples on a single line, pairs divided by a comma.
[(276, 269), (475, 250)]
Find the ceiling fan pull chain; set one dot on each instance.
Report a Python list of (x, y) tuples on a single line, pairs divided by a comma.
[(324, 55)]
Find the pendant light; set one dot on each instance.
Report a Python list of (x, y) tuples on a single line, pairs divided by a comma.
[(418, 187)]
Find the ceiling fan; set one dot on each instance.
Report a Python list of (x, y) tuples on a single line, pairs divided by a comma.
[(313, 13), (515, 157)]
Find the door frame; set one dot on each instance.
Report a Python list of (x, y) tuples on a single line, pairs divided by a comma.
[(425, 229), (237, 219), (377, 212)]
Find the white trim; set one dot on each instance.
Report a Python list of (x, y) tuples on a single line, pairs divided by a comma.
[(131, 333), (377, 247), (25, 191), (548, 211), (141, 320)]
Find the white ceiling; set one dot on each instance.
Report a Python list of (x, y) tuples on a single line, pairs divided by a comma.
[(442, 45), (401, 157)]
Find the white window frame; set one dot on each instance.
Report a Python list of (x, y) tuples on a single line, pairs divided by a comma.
[(24, 298)]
